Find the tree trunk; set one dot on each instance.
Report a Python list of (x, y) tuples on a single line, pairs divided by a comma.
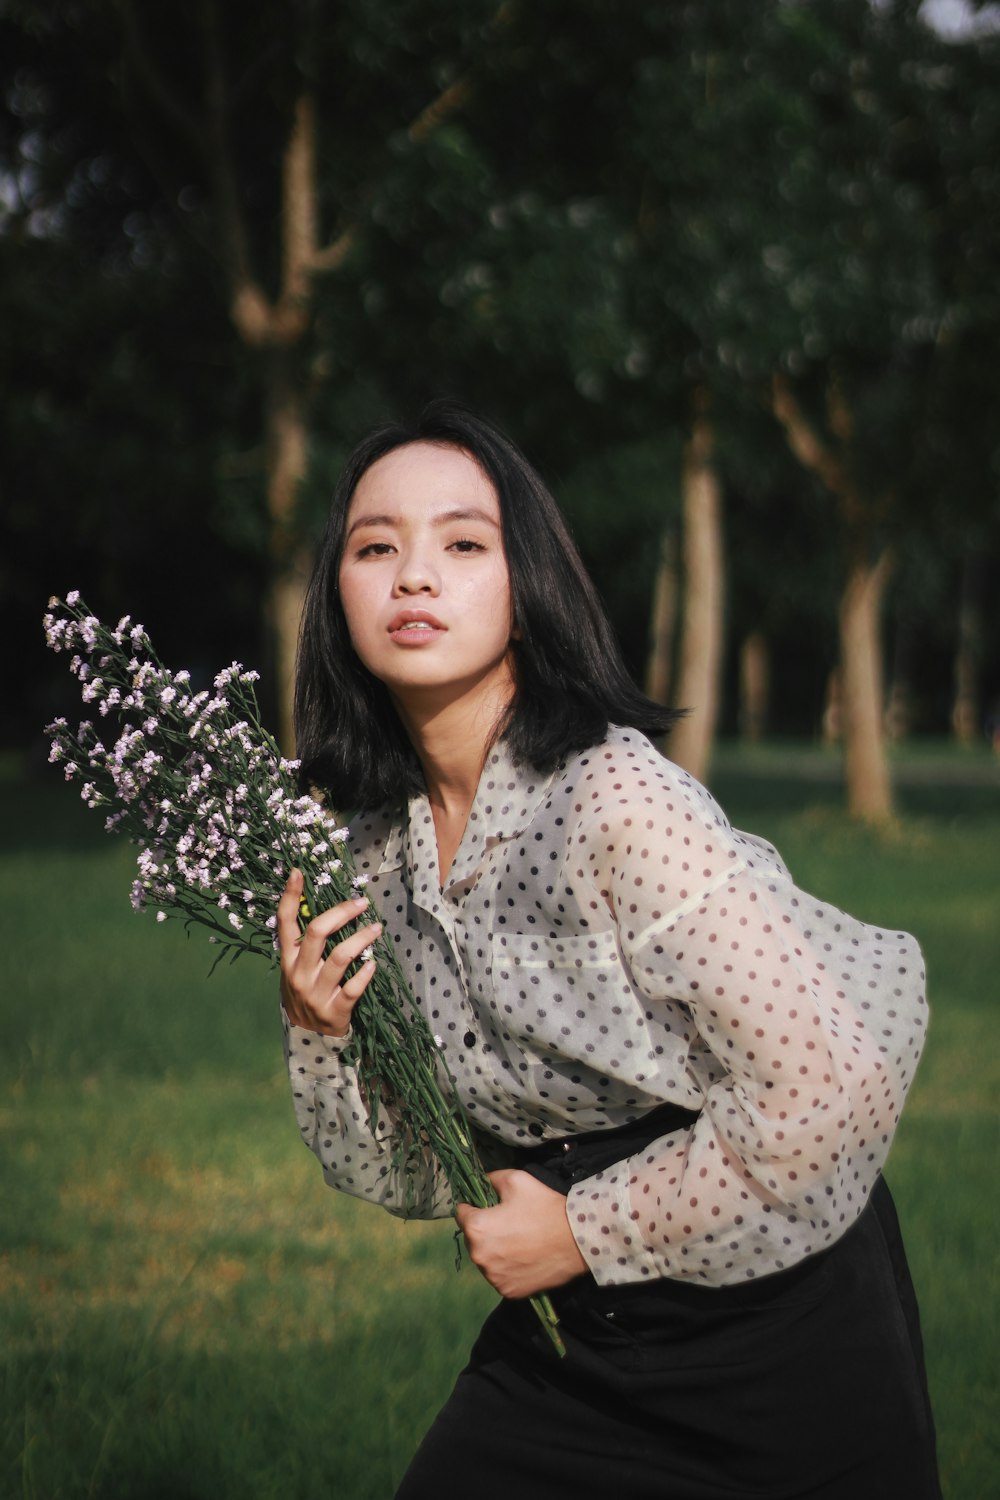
[(755, 686), (663, 620), (274, 326), (869, 790), (290, 560), (701, 640)]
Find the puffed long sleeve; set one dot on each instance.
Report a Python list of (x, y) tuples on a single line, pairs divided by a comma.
[(335, 1124), (605, 942), (806, 1028)]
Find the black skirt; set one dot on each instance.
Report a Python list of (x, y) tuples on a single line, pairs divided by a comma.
[(808, 1384)]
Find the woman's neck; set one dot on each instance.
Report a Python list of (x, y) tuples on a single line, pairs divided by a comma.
[(452, 740)]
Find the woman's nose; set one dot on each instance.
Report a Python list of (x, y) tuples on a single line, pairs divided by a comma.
[(416, 575)]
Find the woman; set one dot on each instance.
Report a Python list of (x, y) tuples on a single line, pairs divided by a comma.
[(687, 1071)]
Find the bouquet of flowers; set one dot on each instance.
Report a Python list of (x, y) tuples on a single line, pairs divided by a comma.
[(197, 782)]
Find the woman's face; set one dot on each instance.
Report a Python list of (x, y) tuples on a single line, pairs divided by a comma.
[(423, 577)]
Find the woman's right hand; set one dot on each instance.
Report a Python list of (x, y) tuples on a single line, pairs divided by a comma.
[(313, 990)]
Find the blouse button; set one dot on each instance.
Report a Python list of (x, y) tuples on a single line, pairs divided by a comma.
[(469, 1039), (535, 1128)]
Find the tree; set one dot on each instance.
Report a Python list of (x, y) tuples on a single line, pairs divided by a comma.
[(710, 218), (816, 243), (219, 110)]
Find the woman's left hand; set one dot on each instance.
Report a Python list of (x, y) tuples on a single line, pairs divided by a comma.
[(524, 1245)]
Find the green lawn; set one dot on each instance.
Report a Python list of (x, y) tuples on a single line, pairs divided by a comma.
[(186, 1312)]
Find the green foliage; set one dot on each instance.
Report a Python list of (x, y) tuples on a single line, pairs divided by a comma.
[(613, 206)]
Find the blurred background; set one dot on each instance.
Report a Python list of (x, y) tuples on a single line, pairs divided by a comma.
[(729, 275)]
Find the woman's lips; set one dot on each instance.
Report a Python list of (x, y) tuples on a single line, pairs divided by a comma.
[(415, 627)]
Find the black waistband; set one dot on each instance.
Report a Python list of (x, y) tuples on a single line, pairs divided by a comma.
[(562, 1163)]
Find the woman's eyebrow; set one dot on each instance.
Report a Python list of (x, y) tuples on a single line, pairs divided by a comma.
[(446, 518), (393, 521), (466, 514)]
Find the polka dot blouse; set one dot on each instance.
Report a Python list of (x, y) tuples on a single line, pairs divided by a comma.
[(604, 943)]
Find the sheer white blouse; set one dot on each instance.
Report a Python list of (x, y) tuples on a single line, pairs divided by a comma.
[(605, 942)]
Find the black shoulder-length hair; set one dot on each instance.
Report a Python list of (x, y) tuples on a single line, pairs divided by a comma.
[(570, 680)]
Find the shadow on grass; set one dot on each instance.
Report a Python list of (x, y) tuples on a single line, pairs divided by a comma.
[(113, 1414)]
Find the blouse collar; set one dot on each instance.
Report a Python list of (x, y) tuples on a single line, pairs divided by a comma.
[(506, 800)]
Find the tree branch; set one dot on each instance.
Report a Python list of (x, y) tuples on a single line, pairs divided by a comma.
[(255, 316), (440, 109), (431, 117), (805, 442), (332, 256), (298, 188)]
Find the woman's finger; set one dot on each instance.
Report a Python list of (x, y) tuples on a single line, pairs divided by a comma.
[(291, 939), (343, 955), (352, 989), (322, 927), (288, 919), (314, 992), (331, 1013)]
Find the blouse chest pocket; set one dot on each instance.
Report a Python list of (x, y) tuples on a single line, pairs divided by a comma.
[(572, 998)]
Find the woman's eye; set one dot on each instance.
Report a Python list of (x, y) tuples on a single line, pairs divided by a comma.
[(467, 544), (374, 549)]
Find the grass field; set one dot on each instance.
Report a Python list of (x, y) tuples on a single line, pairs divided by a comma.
[(187, 1313)]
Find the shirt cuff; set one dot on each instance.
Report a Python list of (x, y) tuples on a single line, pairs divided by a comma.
[(605, 1229), (313, 1052)]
